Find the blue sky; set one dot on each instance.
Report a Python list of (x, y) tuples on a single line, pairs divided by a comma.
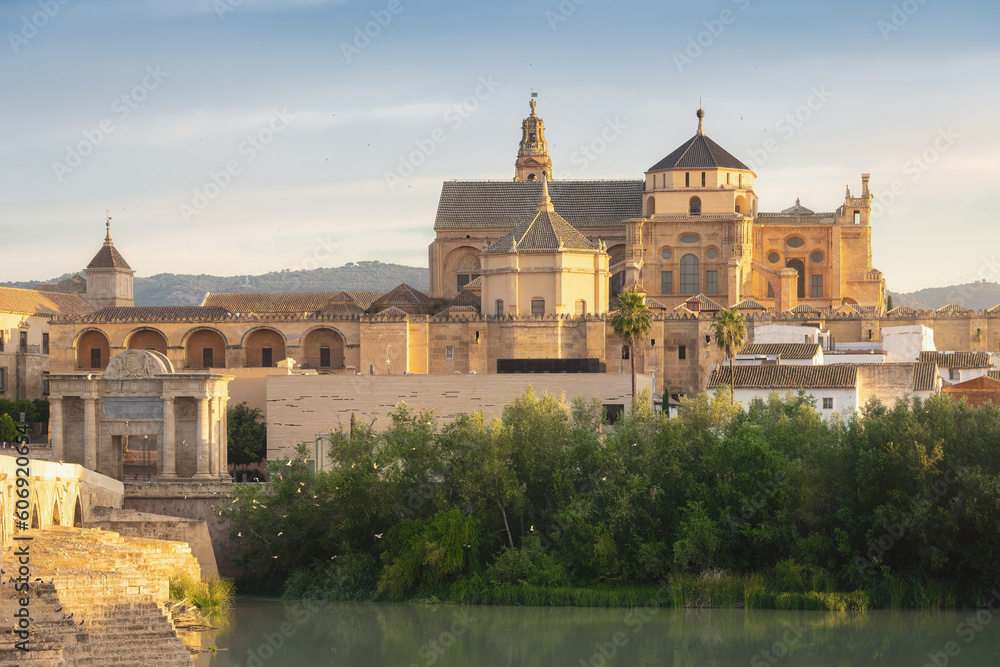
[(238, 137)]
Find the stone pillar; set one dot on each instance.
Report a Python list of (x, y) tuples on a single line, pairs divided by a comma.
[(169, 441), (224, 437), (203, 441), (788, 291), (89, 433), (56, 428)]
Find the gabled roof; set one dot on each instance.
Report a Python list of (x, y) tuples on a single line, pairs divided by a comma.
[(783, 350), (75, 284), (804, 308), (750, 304), (466, 298), (393, 312), (35, 302), (699, 152), (903, 311), (957, 359), (704, 304), (654, 304), (402, 295), (798, 209), (785, 377), (502, 205), (953, 308)]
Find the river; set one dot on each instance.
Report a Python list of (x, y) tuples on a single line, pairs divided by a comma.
[(259, 632)]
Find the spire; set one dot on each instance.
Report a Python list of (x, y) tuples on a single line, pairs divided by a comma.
[(701, 116), (533, 161), (545, 204), (107, 237)]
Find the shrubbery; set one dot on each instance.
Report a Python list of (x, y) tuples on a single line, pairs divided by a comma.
[(764, 506)]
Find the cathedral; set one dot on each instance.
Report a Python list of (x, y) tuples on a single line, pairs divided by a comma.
[(689, 227)]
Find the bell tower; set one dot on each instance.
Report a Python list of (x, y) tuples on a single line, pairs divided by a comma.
[(109, 277), (533, 161)]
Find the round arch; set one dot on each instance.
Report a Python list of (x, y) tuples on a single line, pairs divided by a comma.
[(93, 350), (263, 347), (650, 206), (204, 347), (694, 206), (146, 338), (461, 267), (323, 348), (741, 205)]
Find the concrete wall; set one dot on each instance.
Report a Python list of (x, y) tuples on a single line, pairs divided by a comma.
[(301, 407)]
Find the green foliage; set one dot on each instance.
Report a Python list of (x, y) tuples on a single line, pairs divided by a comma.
[(888, 302), (34, 411), (247, 434), (631, 322), (8, 428), (209, 593), (767, 507)]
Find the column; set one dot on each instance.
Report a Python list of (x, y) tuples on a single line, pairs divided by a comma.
[(56, 428), (203, 437), (169, 447), (224, 437), (89, 433)]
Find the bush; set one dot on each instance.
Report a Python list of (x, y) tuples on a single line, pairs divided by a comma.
[(209, 593)]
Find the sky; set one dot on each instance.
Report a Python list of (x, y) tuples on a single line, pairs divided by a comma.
[(235, 137)]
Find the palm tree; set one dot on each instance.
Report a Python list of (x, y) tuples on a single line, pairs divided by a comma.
[(730, 334), (631, 323)]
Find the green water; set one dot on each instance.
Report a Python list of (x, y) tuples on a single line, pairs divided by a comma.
[(259, 632)]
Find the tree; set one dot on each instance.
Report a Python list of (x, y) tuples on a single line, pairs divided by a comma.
[(631, 323), (247, 431), (888, 303), (730, 334)]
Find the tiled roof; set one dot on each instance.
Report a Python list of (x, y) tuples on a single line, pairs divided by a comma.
[(750, 304), (804, 308), (35, 302), (957, 359), (785, 377), (699, 152), (704, 304), (994, 374), (798, 209), (108, 257), (546, 232), (994, 309), (902, 311), (73, 285), (285, 302), (475, 285), (156, 314), (504, 204), (654, 304), (393, 312), (466, 298), (783, 350), (402, 295), (953, 308), (924, 377)]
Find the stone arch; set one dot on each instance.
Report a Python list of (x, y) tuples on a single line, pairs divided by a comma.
[(147, 338), (323, 348), (56, 514), (694, 206), (741, 205), (650, 206), (93, 350), (78, 513), (35, 523), (263, 347), (461, 267), (204, 347), (799, 266)]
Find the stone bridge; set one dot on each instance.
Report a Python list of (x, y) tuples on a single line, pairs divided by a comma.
[(61, 494)]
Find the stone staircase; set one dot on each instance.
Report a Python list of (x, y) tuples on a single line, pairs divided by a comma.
[(100, 601)]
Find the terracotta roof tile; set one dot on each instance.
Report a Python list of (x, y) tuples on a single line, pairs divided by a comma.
[(902, 311), (402, 295), (924, 377), (957, 359), (285, 302), (108, 257), (783, 350), (156, 314), (750, 304), (785, 377), (504, 204), (699, 152), (466, 298), (953, 308), (35, 302), (804, 308), (73, 285), (704, 304), (547, 231)]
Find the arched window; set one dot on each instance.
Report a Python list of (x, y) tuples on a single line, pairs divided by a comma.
[(499, 308), (531, 177), (689, 274), (695, 206), (538, 307), (650, 206), (581, 307)]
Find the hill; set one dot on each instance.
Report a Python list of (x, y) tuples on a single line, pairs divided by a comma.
[(978, 296), (168, 289)]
